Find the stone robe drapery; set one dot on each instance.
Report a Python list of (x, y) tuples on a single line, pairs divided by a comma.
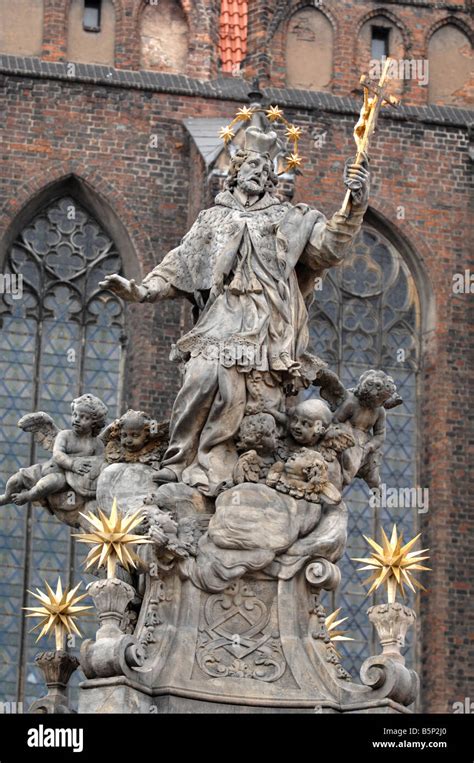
[(270, 253)]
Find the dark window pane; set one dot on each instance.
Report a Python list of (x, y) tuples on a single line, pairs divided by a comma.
[(380, 38), (91, 18)]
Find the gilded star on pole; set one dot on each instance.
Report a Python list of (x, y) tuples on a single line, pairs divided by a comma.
[(274, 113), (226, 134), (111, 539), (58, 612), (392, 564)]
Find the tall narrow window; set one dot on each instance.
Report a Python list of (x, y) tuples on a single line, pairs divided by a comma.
[(380, 42), (367, 316), (61, 337), (91, 18)]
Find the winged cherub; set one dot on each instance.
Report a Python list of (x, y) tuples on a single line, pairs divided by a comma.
[(362, 411), (76, 455), (135, 438), (304, 475)]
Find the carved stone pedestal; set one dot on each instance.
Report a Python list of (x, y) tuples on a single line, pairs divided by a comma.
[(57, 668), (113, 651), (259, 646)]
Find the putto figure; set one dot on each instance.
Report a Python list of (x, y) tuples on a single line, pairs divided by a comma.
[(258, 440), (77, 455), (364, 412), (248, 265)]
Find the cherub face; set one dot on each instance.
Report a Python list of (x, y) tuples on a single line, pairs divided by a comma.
[(133, 435), (248, 437), (304, 430), (298, 464), (306, 465), (81, 420)]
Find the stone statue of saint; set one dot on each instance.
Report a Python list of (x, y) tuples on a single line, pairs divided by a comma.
[(248, 265)]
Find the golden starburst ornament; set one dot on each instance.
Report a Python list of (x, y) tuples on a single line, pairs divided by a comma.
[(112, 539), (274, 113), (293, 161), (58, 612), (244, 114), (226, 134), (392, 564), (293, 132)]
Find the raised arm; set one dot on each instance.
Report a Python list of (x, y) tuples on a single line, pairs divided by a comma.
[(331, 239), (344, 411)]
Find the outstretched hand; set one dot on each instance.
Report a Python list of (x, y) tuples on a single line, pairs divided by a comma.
[(130, 291)]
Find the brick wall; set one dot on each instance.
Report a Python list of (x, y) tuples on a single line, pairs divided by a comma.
[(124, 138)]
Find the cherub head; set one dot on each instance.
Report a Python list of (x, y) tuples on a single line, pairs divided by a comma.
[(88, 415), (305, 475), (258, 432), (134, 428), (306, 465), (309, 421), (374, 388)]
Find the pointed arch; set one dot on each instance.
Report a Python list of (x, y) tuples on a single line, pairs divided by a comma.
[(100, 199), (60, 335)]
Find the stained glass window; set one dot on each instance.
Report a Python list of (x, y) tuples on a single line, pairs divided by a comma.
[(367, 316), (60, 336)]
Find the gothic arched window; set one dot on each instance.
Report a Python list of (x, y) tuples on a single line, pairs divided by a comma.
[(365, 316), (60, 336)]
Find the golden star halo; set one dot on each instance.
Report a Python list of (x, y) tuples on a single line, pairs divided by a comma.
[(58, 612), (274, 114), (111, 539), (392, 564)]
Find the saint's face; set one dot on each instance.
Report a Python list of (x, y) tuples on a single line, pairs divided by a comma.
[(253, 174)]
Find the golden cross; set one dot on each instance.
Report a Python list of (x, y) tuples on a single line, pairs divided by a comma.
[(368, 118)]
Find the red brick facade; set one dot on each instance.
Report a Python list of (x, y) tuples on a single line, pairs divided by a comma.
[(103, 132)]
